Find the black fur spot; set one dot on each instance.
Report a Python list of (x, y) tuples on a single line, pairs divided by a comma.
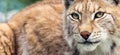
[(113, 46), (76, 52), (67, 3), (116, 2)]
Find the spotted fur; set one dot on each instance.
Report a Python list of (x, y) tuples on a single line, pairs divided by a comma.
[(6, 40), (37, 33)]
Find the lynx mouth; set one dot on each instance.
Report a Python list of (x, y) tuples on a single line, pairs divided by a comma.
[(88, 42)]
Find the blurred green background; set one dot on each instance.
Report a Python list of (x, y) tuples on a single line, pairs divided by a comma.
[(10, 7)]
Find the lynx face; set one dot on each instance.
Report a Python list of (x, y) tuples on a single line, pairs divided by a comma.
[(88, 25)]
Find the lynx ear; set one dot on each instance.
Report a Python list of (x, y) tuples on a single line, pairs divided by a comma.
[(67, 3), (113, 2)]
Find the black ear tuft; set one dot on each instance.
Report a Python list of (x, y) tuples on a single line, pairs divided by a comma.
[(67, 3), (116, 2), (113, 2)]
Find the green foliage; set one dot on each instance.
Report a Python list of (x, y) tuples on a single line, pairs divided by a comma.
[(7, 5), (10, 7), (26, 2)]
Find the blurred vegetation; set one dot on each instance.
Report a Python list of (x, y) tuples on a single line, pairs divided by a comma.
[(7, 5), (10, 7)]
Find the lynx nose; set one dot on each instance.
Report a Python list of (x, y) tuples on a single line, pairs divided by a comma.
[(85, 34)]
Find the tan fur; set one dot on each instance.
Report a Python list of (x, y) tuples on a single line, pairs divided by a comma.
[(6, 40), (37, 30), (36, 33), (33, 34)]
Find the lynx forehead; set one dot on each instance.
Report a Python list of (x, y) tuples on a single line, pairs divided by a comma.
[(88, 6)]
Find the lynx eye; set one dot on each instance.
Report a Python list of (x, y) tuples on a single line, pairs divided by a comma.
[(99, 14), (75, 15)]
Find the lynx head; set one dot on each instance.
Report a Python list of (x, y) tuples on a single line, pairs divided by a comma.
[(90, 24)]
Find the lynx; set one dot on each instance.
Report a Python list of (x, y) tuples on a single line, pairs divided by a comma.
[(67, 27)]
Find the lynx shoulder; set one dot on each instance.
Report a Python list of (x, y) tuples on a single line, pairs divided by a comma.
[(38, 29)]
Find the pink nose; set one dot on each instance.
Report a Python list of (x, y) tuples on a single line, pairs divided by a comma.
[(85, 34)]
